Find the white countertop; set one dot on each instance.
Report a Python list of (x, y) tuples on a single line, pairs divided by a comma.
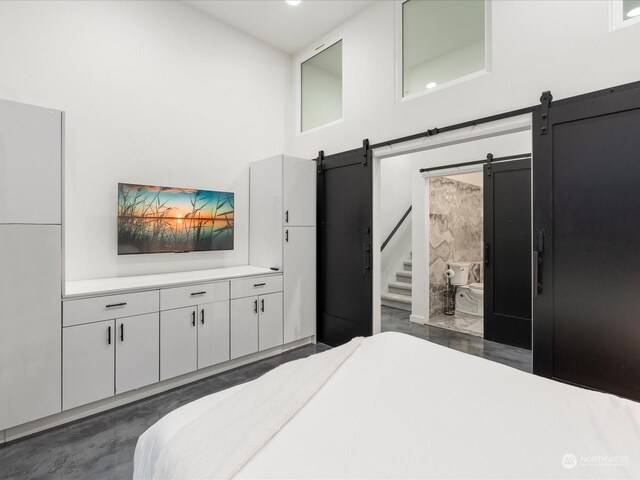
[(105, 286)]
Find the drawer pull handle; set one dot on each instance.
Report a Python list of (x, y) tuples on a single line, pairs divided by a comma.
[(202, 316), (259, 284), (255, 306), (262, 305), (193, 318), (122, 332), (109, 336), (198, 293), (286, 216), (121, 304)]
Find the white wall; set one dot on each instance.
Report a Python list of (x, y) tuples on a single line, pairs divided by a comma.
[(562, 46), (155, 93)]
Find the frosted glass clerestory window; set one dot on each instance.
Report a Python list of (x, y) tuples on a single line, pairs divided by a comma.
[(630, 9), (442, 40), (321, 88)]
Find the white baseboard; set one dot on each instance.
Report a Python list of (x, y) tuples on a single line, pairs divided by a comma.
[(417, 319), (78, 413)]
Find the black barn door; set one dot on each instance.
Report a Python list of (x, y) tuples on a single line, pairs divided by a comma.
[(507, 253), (344, 246), (586, 328)]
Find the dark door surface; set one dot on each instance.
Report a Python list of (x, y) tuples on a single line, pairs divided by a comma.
[(507, 236), (344, 247), (587, 204)]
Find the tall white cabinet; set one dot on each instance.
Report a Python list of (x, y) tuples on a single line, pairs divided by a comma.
[(283, 235), (30, 262)]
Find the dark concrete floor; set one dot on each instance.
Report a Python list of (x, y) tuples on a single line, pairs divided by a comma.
[(394, 320), (102, 447)]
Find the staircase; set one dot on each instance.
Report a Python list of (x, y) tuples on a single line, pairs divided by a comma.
[(399, 294)]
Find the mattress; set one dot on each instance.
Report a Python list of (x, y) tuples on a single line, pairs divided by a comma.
[(401, 407)]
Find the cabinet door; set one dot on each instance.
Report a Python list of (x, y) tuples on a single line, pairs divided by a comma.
[(213, 333), (244, 326), (270, 321), (299, 191), (178, 342), (265, 199), (30, 355), (299, 283), (31, 164), (87, 363), (137, 351)]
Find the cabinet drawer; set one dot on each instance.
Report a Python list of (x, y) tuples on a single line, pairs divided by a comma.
[(87, 310), (247, 287), (179, 297)]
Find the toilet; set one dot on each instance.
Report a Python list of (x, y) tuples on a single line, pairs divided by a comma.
[(470, 299), (469, 296)]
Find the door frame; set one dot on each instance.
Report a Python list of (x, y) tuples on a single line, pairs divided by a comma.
[(419, 298)]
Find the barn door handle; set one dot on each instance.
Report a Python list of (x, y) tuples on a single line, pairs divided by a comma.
[(487, 254), (537, 262), (366, 251)]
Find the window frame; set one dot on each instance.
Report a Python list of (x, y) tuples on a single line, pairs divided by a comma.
[(616, 18), (316, 49), (400, 97)]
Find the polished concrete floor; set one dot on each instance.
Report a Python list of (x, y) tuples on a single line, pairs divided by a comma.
[(102, 446), (395, 320)]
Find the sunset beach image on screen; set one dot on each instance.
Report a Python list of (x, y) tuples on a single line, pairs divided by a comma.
[(154, 219)]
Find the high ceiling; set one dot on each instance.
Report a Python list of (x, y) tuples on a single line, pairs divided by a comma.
[(287, 28)]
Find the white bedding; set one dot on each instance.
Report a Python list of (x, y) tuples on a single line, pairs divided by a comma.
[(400, 407)]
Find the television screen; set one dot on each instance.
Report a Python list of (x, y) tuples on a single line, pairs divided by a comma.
[(165, 219)]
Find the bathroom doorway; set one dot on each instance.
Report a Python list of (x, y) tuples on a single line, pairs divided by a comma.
[(455, 251)]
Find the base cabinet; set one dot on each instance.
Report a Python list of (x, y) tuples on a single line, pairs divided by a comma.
[(213, 333), (87, 363), (256, 324), (137, 352), (270, 321), (244, 326), (178, 342)]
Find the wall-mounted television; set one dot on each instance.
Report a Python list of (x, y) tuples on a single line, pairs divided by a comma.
[(155, 219)]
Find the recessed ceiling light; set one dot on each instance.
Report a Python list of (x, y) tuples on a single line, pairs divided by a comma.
[(431, 85), (293, 3), (633, 13)]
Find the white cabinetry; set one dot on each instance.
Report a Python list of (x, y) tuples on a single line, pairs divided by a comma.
[(30, 263), (107, 357), (178, 342), (137, 352), (88, 363), (194, 328), (283, 235), (299, 283), (256, 317)]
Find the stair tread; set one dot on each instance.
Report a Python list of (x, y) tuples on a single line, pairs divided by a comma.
[(408, 262), (402, 285), (395, 297), (405, 273)]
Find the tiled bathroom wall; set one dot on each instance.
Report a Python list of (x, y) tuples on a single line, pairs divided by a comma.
[(455, 233)]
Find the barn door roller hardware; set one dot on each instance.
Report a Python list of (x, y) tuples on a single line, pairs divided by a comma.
[(366, 151), (489, 160), (319, 161), (545, 100)]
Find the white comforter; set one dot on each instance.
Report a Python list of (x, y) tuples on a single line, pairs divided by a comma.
[(399, 407)]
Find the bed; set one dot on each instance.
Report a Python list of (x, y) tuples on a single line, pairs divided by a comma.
[(394, 406)]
